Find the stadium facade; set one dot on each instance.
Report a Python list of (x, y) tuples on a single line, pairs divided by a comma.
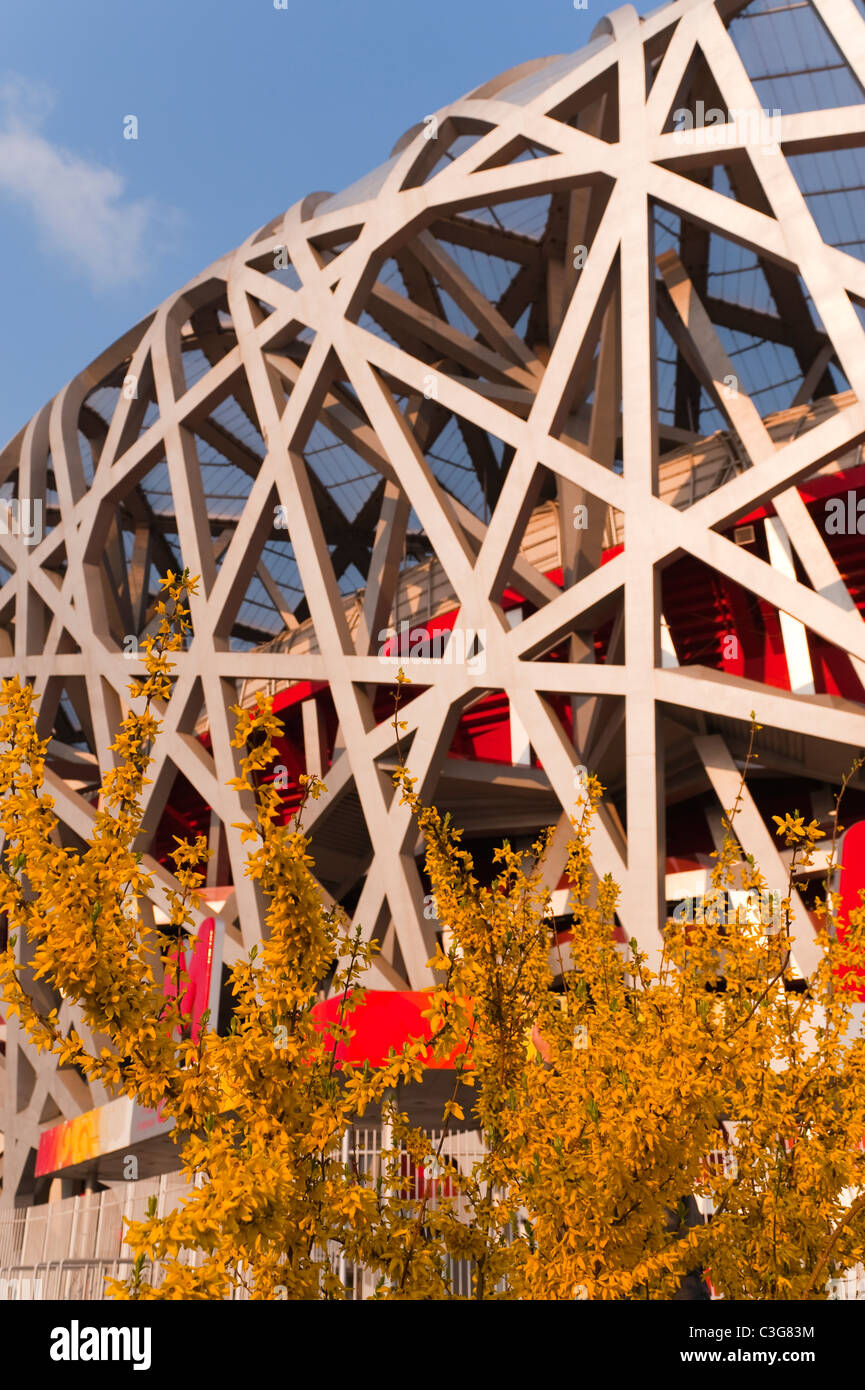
[(561, 410)]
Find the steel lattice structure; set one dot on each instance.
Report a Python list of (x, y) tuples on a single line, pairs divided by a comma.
[(500, 379)]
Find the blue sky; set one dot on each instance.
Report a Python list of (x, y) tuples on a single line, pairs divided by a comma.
[(242, 109)]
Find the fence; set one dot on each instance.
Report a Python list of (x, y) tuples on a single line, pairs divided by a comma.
[(66, 1250), (85, 1228), (362, 1150)]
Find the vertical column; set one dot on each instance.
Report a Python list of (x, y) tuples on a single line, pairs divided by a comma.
[(793, 634), (521, 748), (643, 898)]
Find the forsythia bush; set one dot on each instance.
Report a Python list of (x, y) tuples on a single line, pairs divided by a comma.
[(605, 1103)]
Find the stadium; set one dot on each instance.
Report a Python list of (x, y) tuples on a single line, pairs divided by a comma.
[(559, 410)]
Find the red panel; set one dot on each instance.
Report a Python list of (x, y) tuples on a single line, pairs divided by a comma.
[(774, 660), (852, 883), (296, 694), (195, 978), (484, 732), (833, 672), (385, 1019)]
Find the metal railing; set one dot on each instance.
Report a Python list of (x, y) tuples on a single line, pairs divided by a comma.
[(66, 1250)]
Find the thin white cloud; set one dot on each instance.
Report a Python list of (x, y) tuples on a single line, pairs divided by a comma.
[(79, 207)]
